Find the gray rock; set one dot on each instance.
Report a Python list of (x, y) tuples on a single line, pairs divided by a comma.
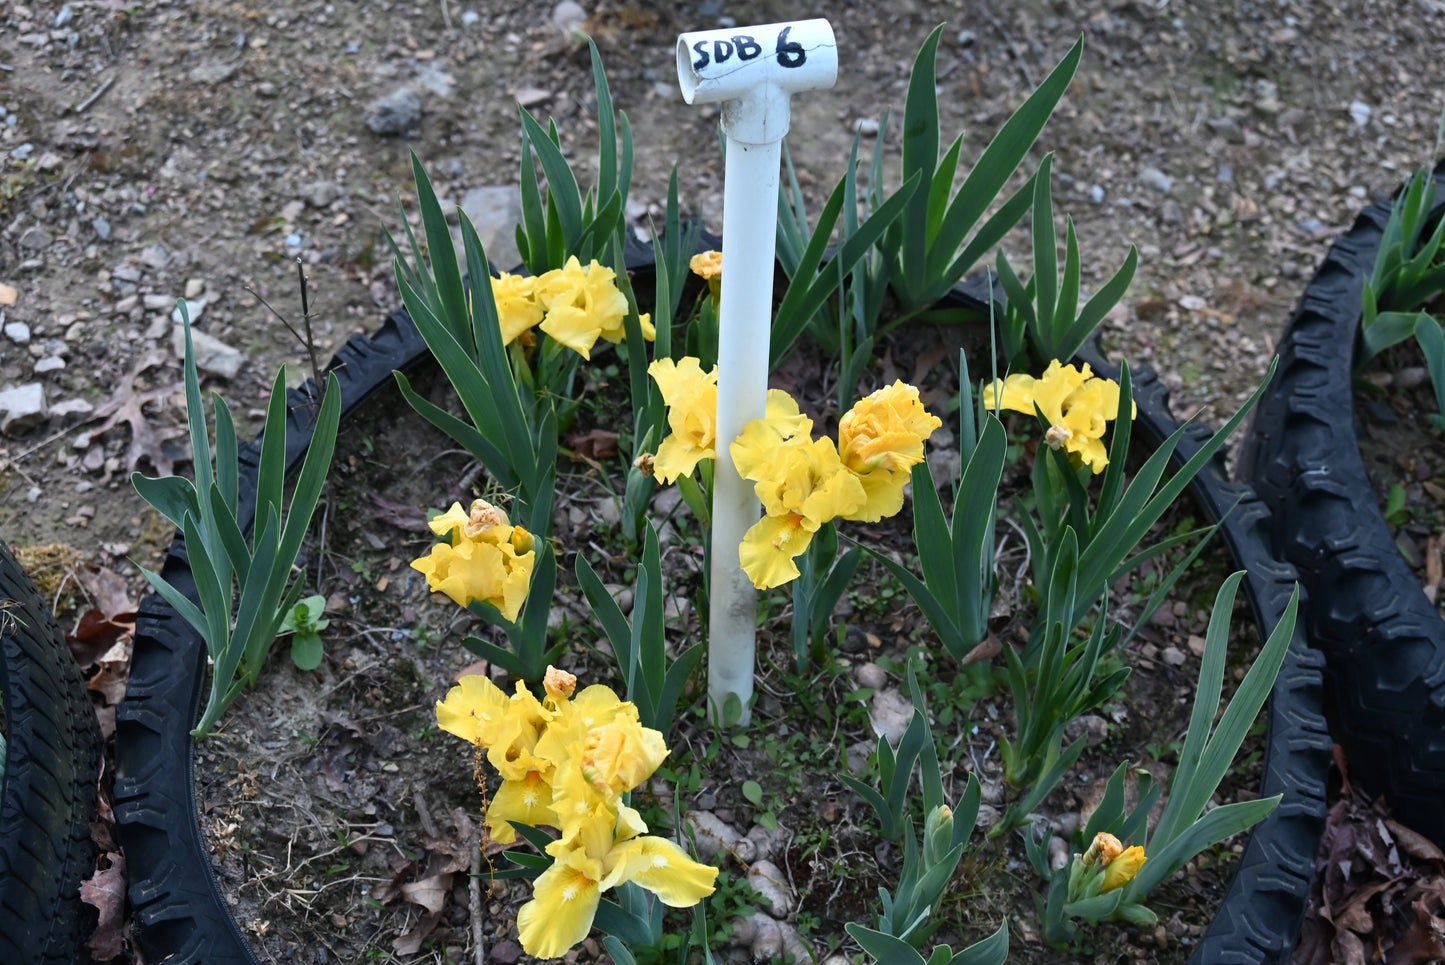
[(127, 273), (1096, 194), (156, 256), (1156, 179), (715, 837), (102, 228), (17, 332), (214, 72), (22, 407), (321, 194), (1360, 113), (194, 306), (436, 80), (125, 305), (768, 881), (51, 363), (35, 238), (398, 113), (158, 303), (530, 97), (495, 211), (213, 356), (866, 126), (870, 675), (890, 715), (195, 288), (569, 17), (71, 407)]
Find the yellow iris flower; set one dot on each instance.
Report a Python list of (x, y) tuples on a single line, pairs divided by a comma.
[(1077, 405), (1123, 869), (583, 305), (517, 307), (880, 440), (691, 398), (477, 711), (707, 265), (605, 852), (566, 762), (802, 484), (487, 558)]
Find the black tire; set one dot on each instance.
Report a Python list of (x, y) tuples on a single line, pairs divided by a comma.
[(1259, 919), (1383, 641), (51, 766), (181, 912)]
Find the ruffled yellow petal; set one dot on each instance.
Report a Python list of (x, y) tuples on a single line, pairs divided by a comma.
[(560, 913), (769, 548), (517, 308), (691, 397), (663, 869), (885, 430), (527, 801), (473, 710), (883, 495)]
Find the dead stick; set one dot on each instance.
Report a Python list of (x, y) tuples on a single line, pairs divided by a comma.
[(105, 86), (474, 895)]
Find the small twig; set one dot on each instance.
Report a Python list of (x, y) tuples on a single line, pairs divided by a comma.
[(447, 18), (474, 893), (104, 86), (306, 340), (424, 813)]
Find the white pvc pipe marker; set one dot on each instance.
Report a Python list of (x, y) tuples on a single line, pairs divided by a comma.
[(752, 72)]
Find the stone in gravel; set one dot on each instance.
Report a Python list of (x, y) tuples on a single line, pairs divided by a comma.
[(569, 17), (1171, 213), (35, 238), (17, 332), (714, 836), (494, 211), (214, 72), (195, 288), (890, 715), (50, 161), (871, 675), (194, 306), (397, 113), (857, 754), (436, 80), (1155, 179), (866, 126), (51, 363), (1360, 113), (71, 407), (8, 295), (1173, 656), (155, 256), (213, 356), (1058, 853), (530, 97), (127, 273), (770, 883), (1096, 194), (505, 952), (1193, 303), (102, 228), (125, 305), (22, 407), (158, 303), (321, 194)]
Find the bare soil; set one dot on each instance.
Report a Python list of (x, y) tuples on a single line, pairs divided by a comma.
[(196, 149)]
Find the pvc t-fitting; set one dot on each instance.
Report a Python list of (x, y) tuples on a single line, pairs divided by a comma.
[(752, 72)]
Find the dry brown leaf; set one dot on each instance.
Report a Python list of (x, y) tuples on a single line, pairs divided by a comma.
[(987, 649), (403, 516), (412, 941), (114, 674), (430, 893), (1349, 950), (106, 893), (1416, 845), (128, 405), (596, 444)]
